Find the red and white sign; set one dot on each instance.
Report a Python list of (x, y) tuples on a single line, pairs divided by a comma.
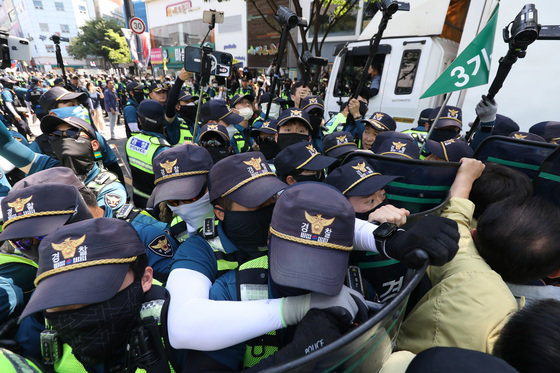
[(137, 25)]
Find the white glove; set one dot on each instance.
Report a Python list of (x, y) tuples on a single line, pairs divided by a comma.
[(486, 110)]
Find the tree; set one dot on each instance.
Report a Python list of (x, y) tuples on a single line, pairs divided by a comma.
[(100, 37)]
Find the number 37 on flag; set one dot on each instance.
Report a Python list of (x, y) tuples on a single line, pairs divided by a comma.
[(472, 67)]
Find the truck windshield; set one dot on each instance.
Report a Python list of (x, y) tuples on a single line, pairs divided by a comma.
[(349, 75)]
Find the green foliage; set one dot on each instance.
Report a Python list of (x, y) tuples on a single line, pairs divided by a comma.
[(100, 37), (121, 54)]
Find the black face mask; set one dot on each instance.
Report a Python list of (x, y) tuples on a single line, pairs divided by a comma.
[(188, 113), (365, 215), (218, 152), (248, 230), (99, 332), (315, 121), (138, 96), (268, 148), (76, 154), (442, 135), (287, 139)]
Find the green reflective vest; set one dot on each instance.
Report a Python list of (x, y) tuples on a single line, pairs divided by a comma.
[(184, 132), (140, 150), (13, 258), (252, 284), (13, 363), (336, 123), (242, 145)]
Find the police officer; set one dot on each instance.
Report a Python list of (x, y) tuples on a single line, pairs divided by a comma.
[(377, 123), (9, 100), (301, 162), (63, 103), (142, 147), (419, 133), (215, 139), (218, 111), (135, 97), (33, 96), (315, 109), (159, 244), (181, 108)]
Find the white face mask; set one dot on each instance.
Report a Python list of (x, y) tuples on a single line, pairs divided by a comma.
[(194, 213), (246, 113)]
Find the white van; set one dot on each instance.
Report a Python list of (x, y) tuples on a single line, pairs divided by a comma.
[(419, 45)]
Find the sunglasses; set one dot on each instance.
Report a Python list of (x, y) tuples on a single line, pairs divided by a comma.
[(214, 143), (175, 203), (72, 133), (26, 244)]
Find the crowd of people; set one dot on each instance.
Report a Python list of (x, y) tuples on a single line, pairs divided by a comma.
[(232, 250)]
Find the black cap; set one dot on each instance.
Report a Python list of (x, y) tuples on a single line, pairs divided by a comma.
[(504, 125), (216, 110), (180, 173), (338, 144), (58, 81), (551, 131), (134, 85), (59, 94), (235, 99), (186, 96), (450, 150), (300, 156), (50, 122), (35, 79), (381, 122), (216, 128), (296, 114), (83, 263), (312, 232), (457, 360), (151, 109), (358, 178), (538, 128), (54, 175), (158, 87), (268, 126), (451, 116), (40, 209), (424, 116), (244, 178), (312, 102), (396, 144), (526, 136)]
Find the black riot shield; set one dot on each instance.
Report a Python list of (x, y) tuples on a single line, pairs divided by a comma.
[(366, 347), (522, 155), (547, 182)]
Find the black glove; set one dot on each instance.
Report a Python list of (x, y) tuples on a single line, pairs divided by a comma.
[(436, 236)]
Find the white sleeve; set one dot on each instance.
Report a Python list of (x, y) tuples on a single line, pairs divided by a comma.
[(198, 323), (363, 236)]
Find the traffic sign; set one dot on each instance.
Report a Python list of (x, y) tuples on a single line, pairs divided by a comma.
[(137, 25)]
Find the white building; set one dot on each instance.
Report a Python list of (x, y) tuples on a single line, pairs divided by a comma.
[(180, 23), (38, 20), (109, 9)]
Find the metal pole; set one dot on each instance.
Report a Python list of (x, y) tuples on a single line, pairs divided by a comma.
[(435, 121)]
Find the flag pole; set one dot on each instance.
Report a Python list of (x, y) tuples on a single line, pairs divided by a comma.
[(448, 96)]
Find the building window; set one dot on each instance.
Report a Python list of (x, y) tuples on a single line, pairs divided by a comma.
[(44, 27), (59, 6), (65, 29), (407, 71), (82, 9), (50, 48), (38, 4)]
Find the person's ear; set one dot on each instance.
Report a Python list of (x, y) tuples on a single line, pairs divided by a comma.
[(276, 137), (290, 180), (147, 279), (219, 212), (95, 145)]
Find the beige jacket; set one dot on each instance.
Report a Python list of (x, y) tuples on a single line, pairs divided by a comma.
[(468, 303)]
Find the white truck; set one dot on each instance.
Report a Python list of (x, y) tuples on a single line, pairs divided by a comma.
[(419, 45)]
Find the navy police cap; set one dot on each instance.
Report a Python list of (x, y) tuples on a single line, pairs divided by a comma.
[(300, 156), (216, 110), (244, 178), (395, 144), (358, 178), (101, 249), (294, 114), (180, 173), (450, 150), (312, 232), (381, 122), (338, 144)]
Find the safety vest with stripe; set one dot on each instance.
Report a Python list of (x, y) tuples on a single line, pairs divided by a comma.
[(252, 284), (418, 136), (336, 123), (13, 363), (242, 145), (185, 133), (140, 150), (12, 258)]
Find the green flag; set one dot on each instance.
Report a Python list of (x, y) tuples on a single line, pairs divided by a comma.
[(472, 67)]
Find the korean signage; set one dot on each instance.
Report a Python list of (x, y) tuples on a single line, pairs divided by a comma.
[(262, 40), (155, 56), (182, 7)]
